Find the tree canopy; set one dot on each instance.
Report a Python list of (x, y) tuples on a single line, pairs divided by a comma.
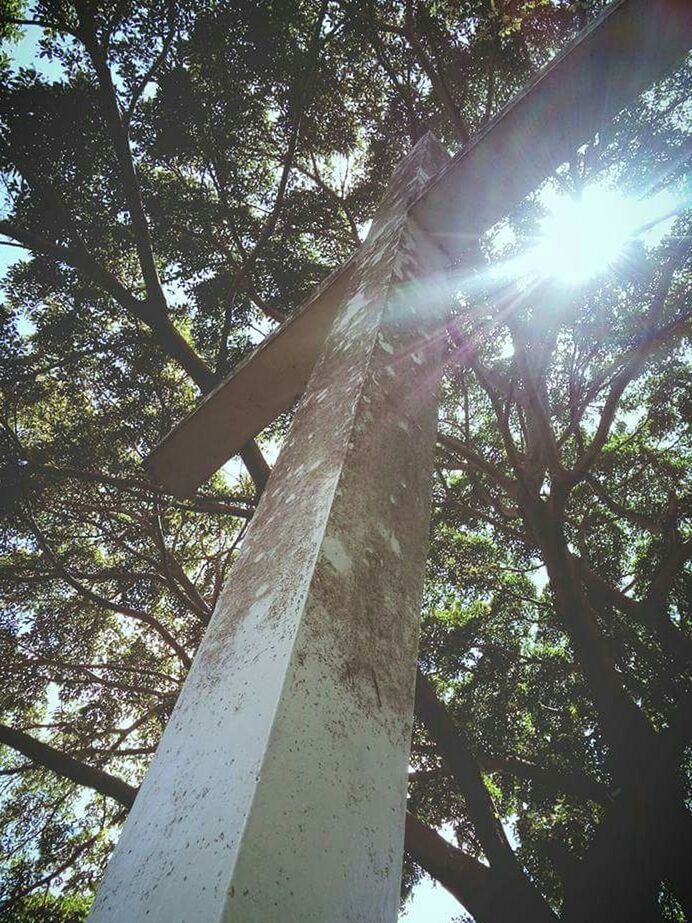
[(177, 177)]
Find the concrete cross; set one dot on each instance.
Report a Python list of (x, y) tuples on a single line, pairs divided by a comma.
[(278, 790)]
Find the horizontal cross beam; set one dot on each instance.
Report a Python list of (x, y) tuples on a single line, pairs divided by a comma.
[(629, 46), (609, 64)]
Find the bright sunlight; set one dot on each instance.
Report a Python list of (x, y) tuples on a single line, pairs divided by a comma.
[(582, 237)]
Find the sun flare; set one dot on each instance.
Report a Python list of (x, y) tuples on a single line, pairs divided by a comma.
[(582, 237)]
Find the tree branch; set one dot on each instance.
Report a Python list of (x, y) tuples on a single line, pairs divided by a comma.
[(628, 373), (436, 79), (478, 462), (299, 106), (89, 594), (456, 753), (121, 146), (66, 766), (155, 65), (466, 878)]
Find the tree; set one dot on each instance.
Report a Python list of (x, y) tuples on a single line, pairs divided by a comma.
[(201, 167)]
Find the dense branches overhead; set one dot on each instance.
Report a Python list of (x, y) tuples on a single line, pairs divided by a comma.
[(176, 178)]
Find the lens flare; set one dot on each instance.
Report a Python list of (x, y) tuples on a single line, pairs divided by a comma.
[(580, 238)]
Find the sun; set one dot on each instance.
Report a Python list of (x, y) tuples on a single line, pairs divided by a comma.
[(582, 237)]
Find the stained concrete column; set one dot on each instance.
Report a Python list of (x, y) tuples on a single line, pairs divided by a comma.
[(278, 790)]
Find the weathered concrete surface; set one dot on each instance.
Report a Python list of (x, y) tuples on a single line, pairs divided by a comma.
[(278, 791)]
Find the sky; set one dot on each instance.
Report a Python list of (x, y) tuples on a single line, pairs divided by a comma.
[(431, 904)]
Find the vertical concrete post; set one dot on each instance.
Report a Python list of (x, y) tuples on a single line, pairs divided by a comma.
[(278, 790)]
